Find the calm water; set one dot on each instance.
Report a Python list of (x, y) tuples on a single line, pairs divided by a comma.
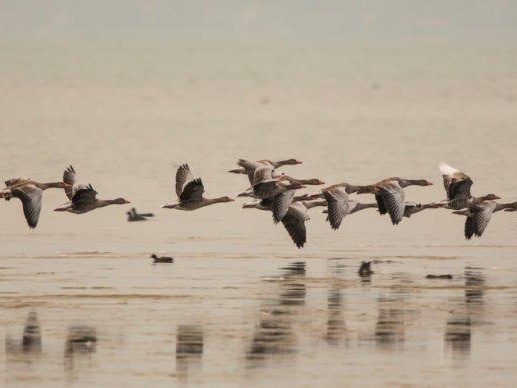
[(241, 305)]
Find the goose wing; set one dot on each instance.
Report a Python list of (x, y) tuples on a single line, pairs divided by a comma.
[(183, 177), (481, 215), (281, 203), (70, 181), (294, 223), (30, 196), (193, 191), (393, 196), (250, 167), (336, 205), (457, 184), (380, 204), (83, 196)]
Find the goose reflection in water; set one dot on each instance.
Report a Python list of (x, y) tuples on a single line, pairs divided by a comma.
[(274, 332), (390, 326), (189, 348), (335, 323), (80, 344), (31, 338), (474, 292)]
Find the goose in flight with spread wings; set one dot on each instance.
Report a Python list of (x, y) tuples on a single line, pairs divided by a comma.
[(83, 198), (457, 185), (294, 217), (190, 192), (339, 205), (247, 167), (30, 193), (479, 215), (390, 196)]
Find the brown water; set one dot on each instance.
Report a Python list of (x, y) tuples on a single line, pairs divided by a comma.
[(235, 308)]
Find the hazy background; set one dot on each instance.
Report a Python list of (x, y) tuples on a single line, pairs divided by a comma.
[(126, 91), (463, 22)]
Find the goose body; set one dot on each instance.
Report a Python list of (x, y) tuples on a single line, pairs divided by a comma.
[(266, 186), (190, 192)]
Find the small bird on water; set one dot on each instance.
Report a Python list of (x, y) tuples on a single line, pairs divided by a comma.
[(162, 259), (133, 215)]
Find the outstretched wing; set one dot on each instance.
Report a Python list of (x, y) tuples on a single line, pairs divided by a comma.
[(193, 191), (83, 196), (69, 181), (336, 206), (183, 177), (281, 203), (294, 223), (481, 215), (30, 196), (393, 196), (457, 184)]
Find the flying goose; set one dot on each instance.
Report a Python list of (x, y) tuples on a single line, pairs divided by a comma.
[(457, 185), (390, 196), (30, 193), (190, 192), (266, 186), (83, 198), (249, 168), (339, 206), (479, 215), (294, 219)]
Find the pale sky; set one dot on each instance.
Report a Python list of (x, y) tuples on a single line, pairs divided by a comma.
[(468, 22)]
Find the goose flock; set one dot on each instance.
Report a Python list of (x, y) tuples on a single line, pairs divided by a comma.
[(276, 192)]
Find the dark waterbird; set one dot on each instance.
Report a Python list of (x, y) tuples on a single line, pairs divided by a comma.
[(133, 215), (162, 259)]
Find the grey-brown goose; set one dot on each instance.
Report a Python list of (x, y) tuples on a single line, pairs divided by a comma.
[(457, 186), (411, 208), (248, 167), (294, 219), (390, 196), (479, 215), (30, 193), (266, 186), (83, 198), (281, 177), (190, 192), (339, 205)]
